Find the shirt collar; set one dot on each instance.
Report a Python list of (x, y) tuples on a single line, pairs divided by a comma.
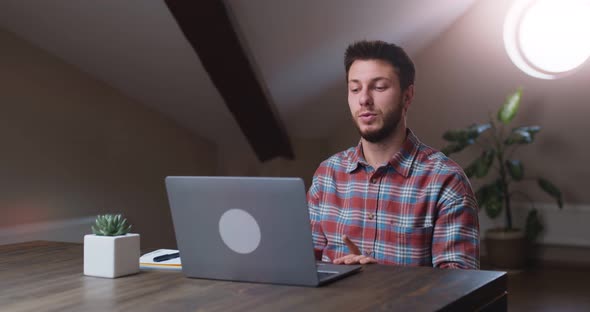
[(401, 162)]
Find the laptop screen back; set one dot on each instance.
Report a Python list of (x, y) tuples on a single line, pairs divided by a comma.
[(243, 229)]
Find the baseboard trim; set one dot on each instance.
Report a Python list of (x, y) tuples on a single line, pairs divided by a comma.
[(68, 230), (563, 227), (554, 256)]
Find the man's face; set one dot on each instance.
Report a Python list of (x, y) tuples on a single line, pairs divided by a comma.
[(376, 101)]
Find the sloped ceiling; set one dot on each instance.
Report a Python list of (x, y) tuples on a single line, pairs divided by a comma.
[(295, 46)]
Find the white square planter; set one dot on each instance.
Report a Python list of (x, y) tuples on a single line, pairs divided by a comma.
[(111, 256)]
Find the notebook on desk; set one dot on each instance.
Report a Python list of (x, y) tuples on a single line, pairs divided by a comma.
[(247, 229), (148, 261)]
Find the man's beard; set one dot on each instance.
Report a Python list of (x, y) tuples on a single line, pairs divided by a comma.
[(390, 123)]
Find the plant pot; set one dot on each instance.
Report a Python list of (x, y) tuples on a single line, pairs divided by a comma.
[(111, 256), (506, 249)]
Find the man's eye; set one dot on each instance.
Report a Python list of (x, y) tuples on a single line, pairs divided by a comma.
[(380, 88), (354, 90)]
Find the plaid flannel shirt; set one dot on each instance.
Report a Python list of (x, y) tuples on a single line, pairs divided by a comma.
[(417, 210)]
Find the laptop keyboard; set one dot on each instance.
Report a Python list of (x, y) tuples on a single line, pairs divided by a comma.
[(322, 275)]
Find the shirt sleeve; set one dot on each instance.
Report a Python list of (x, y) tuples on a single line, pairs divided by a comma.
[(455, 241), (313, 199)]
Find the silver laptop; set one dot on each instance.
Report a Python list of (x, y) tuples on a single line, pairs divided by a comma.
[(247, 229)]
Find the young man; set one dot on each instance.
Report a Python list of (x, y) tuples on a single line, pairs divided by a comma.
[(391, 199)]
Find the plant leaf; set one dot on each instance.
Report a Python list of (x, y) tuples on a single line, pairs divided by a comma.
[(519, 137), (456, 147), (522, 135), (490, 197), (486, 160), (510, 107), (461, 138), (493, 208), (483, 194), (532, 130), (515, 168), (534, 226), (100, 221), (478, 129), (552, 190), (456, 135), (481, 166), (470, 133), (111, 225)]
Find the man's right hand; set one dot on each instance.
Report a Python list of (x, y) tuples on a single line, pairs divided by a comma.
[(355, 257)]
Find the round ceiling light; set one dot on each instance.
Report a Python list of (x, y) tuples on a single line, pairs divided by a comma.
[(548, 38)]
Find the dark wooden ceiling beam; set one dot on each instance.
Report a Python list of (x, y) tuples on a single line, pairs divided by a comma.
[(208, 28)]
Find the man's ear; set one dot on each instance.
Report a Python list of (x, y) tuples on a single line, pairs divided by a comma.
[(408, 96)]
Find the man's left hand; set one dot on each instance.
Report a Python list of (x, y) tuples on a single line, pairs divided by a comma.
[(355, 257)]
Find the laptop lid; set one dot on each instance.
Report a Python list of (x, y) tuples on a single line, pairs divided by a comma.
[(244, 229)]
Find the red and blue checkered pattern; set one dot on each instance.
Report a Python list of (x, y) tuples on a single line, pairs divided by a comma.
[(417, 210)]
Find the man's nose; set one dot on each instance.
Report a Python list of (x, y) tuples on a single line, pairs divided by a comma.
[(365, 98)]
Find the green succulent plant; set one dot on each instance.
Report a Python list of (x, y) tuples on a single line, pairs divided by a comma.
[(497, 147), (110, 225)]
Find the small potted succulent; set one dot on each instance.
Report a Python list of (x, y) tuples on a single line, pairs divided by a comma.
[(111, 251)]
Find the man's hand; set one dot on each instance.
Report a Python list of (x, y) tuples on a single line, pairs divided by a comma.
[(355, 257)]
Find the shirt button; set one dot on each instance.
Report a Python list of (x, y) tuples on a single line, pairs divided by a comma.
[(371, 216), (373, 180)]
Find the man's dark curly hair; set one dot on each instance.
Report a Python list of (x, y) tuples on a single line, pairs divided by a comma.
[(380, 50)]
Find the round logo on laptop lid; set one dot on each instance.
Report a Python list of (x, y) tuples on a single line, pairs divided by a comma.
[(239, 231)]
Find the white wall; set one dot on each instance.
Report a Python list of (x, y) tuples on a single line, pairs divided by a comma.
[(239, 160), (463, 76), (466, 73), (73, 147)]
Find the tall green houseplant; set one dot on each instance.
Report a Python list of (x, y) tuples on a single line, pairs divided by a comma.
[(498, 144)]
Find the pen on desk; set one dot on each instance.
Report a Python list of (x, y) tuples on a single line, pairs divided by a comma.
[(166, 257)]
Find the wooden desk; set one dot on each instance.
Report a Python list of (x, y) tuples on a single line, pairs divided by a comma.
[(47, 276)]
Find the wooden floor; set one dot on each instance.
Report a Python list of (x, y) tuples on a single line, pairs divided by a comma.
[(549, 289)]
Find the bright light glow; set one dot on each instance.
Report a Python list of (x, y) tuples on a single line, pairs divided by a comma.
[(556, 37), (548, 38)]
